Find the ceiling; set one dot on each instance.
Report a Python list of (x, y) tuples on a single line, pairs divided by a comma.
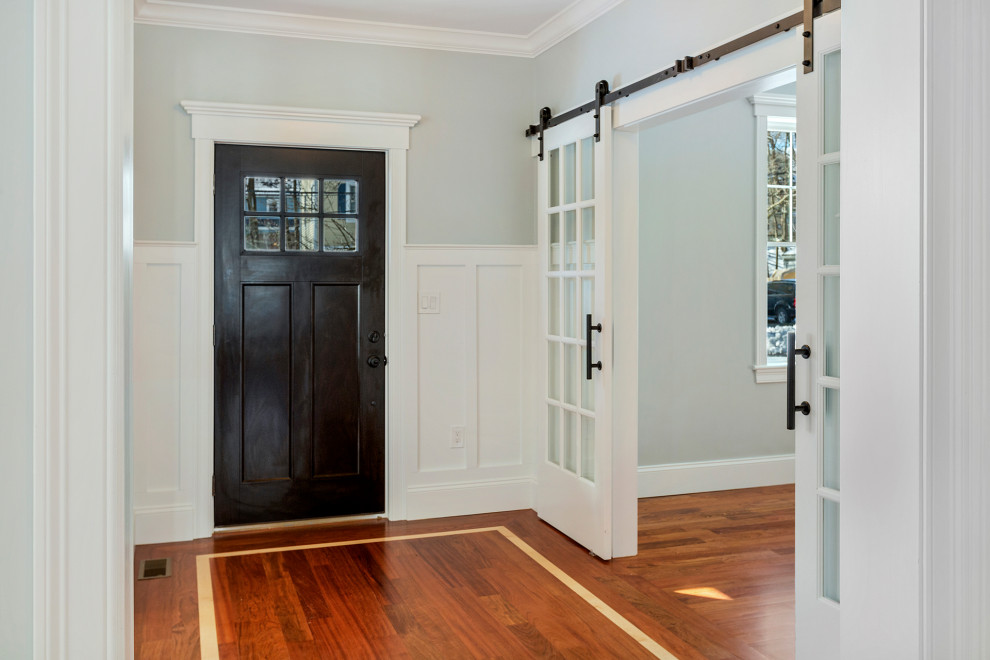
[(502, 27)]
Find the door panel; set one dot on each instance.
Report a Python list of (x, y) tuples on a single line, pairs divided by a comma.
[(337, 384), (266, 359), (299, 281), (817, 441), (574, 473)]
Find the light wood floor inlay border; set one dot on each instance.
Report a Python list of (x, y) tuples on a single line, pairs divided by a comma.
[(210, 648)]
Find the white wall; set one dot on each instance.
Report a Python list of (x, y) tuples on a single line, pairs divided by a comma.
[(958, 356), (698, 400), (470, 178), (16, 176)]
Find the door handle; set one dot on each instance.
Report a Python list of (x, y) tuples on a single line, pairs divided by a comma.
[(804, 406), (374, 361), (587, 344)]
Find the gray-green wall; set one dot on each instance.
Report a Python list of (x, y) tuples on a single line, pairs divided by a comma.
[(471, 179), (697, 259), (16, 180), (637, 38)]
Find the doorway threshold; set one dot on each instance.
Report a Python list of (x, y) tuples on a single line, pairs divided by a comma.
[(309, 522)]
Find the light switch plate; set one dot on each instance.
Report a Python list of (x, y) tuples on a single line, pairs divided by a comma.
[(429, 302)]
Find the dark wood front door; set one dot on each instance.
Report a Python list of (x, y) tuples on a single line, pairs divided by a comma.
[(300, 322)]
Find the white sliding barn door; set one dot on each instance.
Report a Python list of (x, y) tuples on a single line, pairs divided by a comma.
[(817, 488), (574, 473)]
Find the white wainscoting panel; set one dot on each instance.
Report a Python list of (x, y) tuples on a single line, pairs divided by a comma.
[(707, 476), (165, 391), (470, 364)]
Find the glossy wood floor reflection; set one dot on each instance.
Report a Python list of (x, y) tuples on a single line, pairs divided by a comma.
[(713, 579)]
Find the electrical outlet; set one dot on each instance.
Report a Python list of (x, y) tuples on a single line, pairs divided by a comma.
[(457, 437)]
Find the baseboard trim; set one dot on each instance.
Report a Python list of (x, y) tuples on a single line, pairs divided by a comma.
[(469, 497), (705, 476), (164, 524)]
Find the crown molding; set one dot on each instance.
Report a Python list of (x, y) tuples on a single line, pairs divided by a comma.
[(567, 22), (302, 26), (304, 114)]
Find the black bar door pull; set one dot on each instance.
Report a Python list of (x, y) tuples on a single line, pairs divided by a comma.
[(587, 344), (804, 407)]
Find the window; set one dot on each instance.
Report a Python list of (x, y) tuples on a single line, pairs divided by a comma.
[(781, 259), (313, 222), (776, 231)]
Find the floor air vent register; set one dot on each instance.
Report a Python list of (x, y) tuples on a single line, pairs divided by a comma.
[(151, 569)]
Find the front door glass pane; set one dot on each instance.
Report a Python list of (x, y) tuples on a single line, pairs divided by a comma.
[(263, 234), (554, 242), (301, 235), (302, 195), (340, 196), (340, 234), (262, 194)]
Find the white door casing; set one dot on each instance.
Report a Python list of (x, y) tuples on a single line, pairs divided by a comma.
[(817, 479), (574, 468), (304, 127)]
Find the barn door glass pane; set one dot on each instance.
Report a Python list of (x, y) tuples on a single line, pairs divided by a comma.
[(832, 75), (830, 549), (571, 261), (830, 215), (829, 393)]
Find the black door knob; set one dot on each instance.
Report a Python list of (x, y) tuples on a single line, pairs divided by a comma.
[(374, 361)]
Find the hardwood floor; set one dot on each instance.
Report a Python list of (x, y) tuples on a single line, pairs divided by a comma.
[(714, 578)]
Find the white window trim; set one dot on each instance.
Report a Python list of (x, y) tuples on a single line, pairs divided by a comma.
[(772, 111), (304, 127)]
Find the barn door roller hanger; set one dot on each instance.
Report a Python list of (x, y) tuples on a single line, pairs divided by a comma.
[(812, 10)]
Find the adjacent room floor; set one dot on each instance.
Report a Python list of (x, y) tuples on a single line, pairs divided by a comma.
[(714, 578)]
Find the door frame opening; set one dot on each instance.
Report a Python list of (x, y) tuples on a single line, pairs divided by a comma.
[(234, 123)]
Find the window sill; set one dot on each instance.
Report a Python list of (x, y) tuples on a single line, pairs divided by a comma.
[(773, 373)]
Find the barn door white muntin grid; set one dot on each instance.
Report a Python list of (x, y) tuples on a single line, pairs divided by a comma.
[(574, 467)]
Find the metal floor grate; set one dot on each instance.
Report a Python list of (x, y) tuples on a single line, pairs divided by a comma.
[(155, 568)]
